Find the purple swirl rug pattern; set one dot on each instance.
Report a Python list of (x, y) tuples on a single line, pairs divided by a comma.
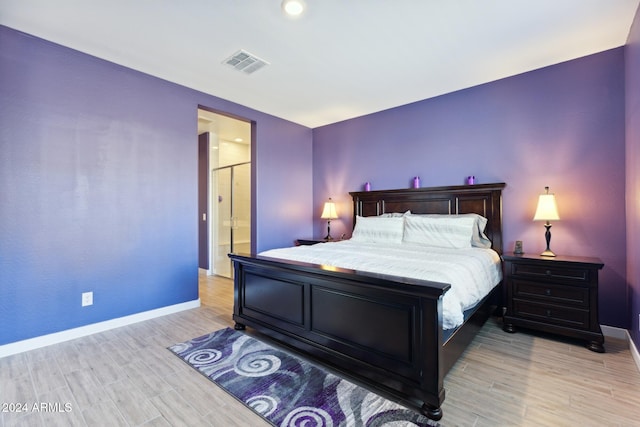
[(285, 389)]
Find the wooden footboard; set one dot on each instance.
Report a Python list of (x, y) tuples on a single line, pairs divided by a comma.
[(383, 330)]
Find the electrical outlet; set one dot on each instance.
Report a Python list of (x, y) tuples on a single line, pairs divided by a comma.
[(87, 298)]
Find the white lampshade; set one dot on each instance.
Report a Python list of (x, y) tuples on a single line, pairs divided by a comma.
[(329, 211), (547, 208)]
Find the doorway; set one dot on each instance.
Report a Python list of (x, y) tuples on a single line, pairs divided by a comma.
[(224, 188)]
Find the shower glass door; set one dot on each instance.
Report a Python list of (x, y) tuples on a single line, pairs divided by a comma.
[(232, 208)]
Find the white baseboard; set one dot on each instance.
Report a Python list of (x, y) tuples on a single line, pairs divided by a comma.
[(623, 334), (69, 334), (610, 331), (634, 351)]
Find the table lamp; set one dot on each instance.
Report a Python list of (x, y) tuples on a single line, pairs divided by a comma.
[(547, 210), (329, 213)]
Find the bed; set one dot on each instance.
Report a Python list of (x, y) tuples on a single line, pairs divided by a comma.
[(383, 330)]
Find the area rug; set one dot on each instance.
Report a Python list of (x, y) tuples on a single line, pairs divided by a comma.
[(287, 390)]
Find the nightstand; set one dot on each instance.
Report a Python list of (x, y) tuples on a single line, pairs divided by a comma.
[(306, 242), (554, 294)]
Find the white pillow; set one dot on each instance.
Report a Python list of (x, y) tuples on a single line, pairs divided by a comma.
[(442, 231), (479, 239), (376, 229)]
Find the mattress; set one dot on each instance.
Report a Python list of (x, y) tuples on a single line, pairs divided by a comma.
[(471, 272)]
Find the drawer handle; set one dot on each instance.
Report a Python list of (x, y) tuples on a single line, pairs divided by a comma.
[(547, 292), (548, 313), (548, 272)]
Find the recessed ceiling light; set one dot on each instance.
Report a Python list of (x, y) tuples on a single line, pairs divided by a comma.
[(238, 140), (293, 7)]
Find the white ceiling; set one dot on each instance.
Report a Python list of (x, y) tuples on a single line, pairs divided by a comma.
[(342, 58)]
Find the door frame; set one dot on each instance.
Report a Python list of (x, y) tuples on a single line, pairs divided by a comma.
[(204, 209), (252, 142)]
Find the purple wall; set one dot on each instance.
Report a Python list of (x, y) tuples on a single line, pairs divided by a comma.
[(98, 178), (561, 126), (632, 62)]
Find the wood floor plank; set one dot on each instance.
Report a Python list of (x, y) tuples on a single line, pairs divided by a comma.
[(132, 402), (157, 422), (104, 414), (177, 411), (105, 368), (192, 385), (85, 387), (59, 408), (31, 419), (12, 367), (18, 390), (46, 375), (145, 379)]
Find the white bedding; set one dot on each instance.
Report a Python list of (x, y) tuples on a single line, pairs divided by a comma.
[(472, 272)]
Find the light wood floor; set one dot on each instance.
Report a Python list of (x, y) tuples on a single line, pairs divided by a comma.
[(126, 377)]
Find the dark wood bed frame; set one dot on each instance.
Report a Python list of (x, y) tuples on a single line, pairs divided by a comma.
[(383, 331)]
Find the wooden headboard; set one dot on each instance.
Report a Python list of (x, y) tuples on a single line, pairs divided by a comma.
[(483, 199)]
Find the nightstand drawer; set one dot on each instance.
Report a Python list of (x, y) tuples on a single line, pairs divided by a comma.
[(550, 272), (551, 293), (552, 314)]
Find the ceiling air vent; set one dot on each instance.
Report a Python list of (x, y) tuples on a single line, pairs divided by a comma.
[(245, 62)]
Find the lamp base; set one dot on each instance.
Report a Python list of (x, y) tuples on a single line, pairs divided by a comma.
[(547, 237), (328, 236)]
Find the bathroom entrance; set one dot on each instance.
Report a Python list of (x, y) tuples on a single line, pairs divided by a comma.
[(224, 190)]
